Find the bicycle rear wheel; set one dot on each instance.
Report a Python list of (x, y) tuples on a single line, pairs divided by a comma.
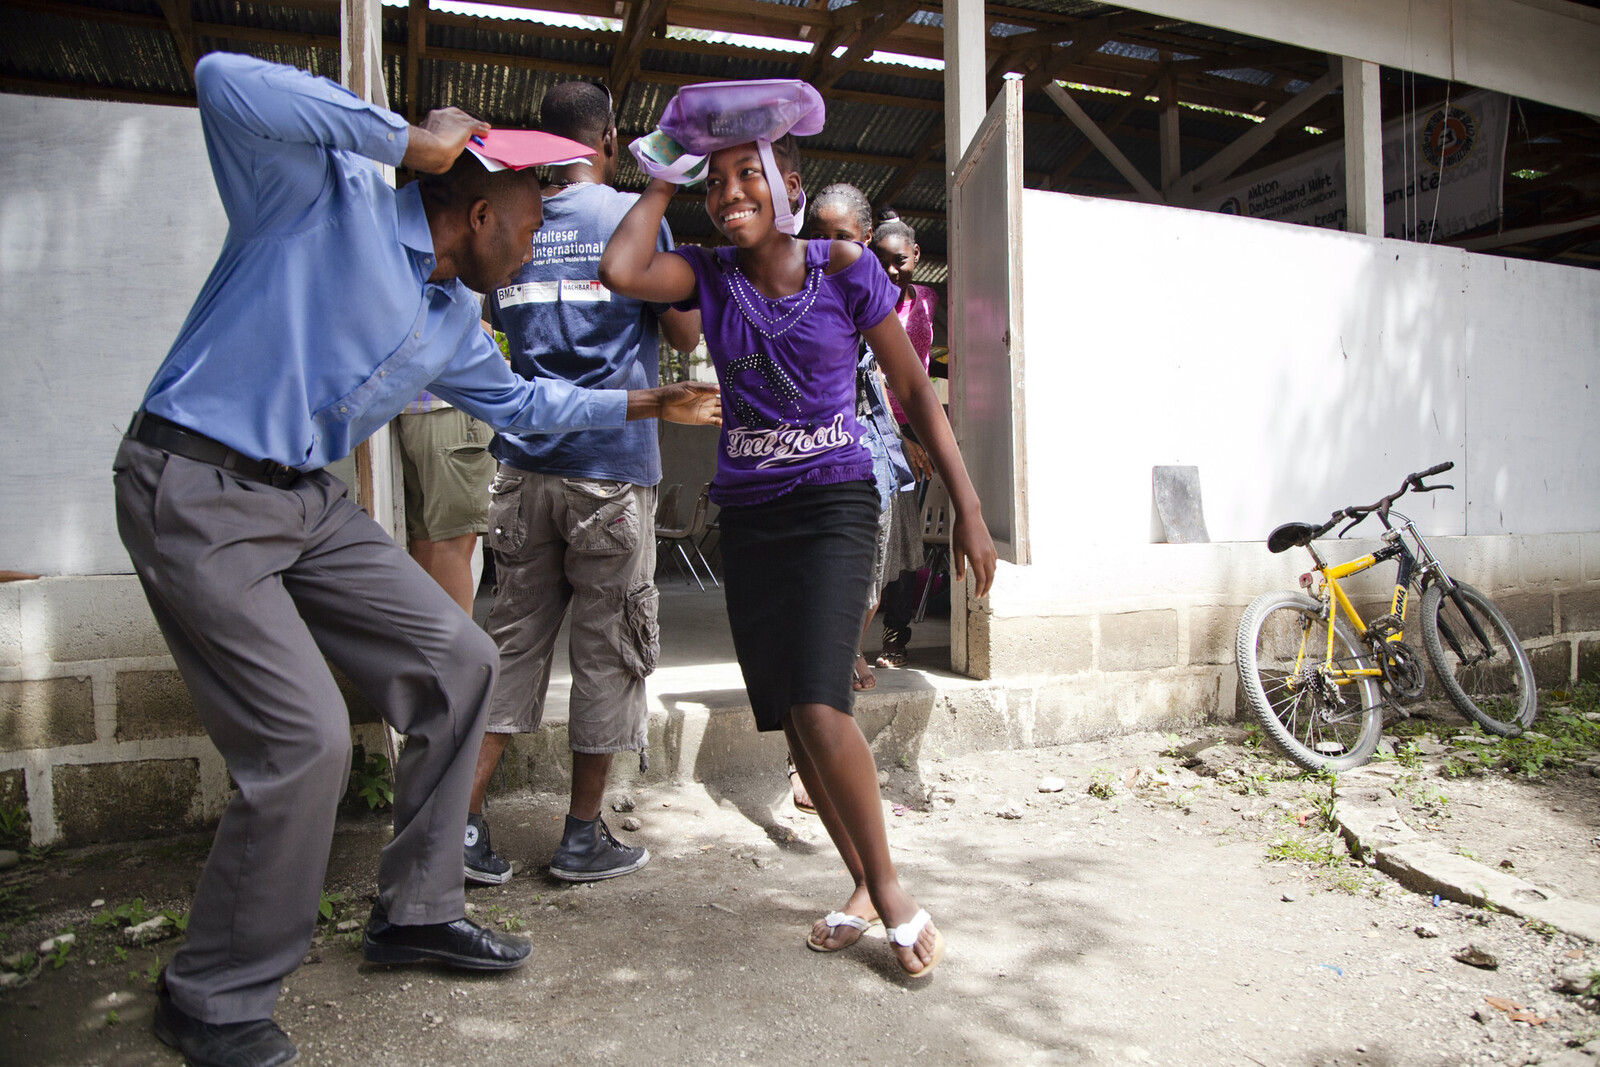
[(1491, 683), (1319, 722)]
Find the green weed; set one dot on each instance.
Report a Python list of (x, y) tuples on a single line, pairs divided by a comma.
[(1349, 880), (1560, 737), (14, 906), (129, 913), (373, 782), (1318, 852), (1103, 783), (58, 955), (328, 905), (14, 823)]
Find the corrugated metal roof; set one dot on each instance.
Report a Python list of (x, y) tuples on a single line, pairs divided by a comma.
[(869, 137)]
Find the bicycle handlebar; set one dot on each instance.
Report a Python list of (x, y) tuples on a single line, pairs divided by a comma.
[(1358, 513)]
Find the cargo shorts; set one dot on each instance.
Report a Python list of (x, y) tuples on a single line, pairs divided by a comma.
[(589, 544), (445, 461)]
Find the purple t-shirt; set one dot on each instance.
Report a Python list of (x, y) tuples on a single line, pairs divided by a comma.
[(788, 371)]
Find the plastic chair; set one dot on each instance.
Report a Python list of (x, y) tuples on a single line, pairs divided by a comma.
[(667, 505), (676, 537), (937, 517)]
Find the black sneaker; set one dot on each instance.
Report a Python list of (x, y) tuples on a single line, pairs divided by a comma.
[(483, 866), (588, 853)]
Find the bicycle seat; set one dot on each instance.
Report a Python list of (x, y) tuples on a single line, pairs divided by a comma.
[(1291, 535)]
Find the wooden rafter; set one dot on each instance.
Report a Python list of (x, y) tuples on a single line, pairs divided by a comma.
[(1230, 159), (1124, 165), (1115, 120), (846, 22), (1093, 34), (908, 170), (416, 48), (644, 16), (180, 21), (865, 43)]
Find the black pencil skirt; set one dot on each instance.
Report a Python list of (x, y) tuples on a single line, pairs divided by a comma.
[(796, 571)]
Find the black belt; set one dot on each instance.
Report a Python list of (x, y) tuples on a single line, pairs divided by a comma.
[(168, 436)]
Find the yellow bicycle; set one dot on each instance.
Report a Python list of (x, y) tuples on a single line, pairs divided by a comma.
[(1319, 684)]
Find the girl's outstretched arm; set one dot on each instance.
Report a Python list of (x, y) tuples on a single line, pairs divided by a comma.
[(630, 265), (969, 540)]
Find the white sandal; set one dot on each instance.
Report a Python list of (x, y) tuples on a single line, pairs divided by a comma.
[(905, 935), (835, 919)]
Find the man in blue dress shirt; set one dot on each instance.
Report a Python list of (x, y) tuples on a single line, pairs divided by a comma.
[(334, 300)]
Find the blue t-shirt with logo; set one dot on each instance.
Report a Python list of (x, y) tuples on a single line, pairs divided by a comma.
[(561, 323)]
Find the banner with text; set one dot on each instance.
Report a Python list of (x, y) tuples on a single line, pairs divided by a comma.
[(1443, 174)]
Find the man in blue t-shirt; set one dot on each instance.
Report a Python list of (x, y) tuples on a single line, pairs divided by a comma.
[(572, 516)]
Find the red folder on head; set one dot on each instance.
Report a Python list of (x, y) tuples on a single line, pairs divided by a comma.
[(516, 149)]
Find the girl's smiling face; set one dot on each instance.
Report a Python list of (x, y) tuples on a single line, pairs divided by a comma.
[(899, 257), (834, 221), (738, 198)]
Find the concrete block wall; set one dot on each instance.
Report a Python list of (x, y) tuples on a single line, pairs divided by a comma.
[(1145, 636), (98, 738), (99, 741)]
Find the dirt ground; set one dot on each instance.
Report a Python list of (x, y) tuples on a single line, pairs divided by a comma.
[(1145, 925)]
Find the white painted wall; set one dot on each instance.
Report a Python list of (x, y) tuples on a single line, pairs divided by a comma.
[(109, 225), (1539, 49), (1300, 370)]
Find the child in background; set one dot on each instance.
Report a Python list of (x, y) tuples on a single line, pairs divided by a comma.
[(895, 244), (783, 319)]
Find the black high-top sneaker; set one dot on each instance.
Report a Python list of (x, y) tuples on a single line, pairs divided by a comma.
[(588, 853), (483, 866)]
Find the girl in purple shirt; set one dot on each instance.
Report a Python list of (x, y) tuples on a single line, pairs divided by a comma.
[(783, 318)]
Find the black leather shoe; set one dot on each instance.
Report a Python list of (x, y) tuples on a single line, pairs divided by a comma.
[(462, 943), (258, 1043)]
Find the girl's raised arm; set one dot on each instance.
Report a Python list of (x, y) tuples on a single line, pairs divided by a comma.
[(970, 541), (630, 265)]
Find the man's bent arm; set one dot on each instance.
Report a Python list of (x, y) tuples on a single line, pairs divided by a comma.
[(481, 383), (268, 128)]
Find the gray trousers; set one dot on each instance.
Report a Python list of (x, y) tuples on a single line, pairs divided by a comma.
[(256, 588)]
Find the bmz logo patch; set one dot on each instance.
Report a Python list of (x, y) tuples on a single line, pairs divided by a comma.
[(1449, 137)]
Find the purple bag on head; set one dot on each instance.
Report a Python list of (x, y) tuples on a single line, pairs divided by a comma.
[(715, 115)]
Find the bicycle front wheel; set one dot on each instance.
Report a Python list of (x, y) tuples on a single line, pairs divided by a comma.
[(1479, 661), (1320, 716)]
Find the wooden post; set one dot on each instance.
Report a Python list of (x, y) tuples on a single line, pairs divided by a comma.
[(965, 35), (1363, 147), (378, 488), (1171, 139)]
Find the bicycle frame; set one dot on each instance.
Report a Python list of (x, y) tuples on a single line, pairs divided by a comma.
[(1334, 598), (1420, 569)]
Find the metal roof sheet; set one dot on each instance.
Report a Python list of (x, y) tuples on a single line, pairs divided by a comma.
[(889, 115)]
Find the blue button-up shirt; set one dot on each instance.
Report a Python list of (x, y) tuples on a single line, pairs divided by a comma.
[(318, 324)]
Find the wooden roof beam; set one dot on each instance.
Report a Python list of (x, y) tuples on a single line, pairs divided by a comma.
[(893, 17), (1230, 159), (1115, 120), (416, 48), (644, 18), (930, 142), (1124, 165), (1095, 33), (180, 21)]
